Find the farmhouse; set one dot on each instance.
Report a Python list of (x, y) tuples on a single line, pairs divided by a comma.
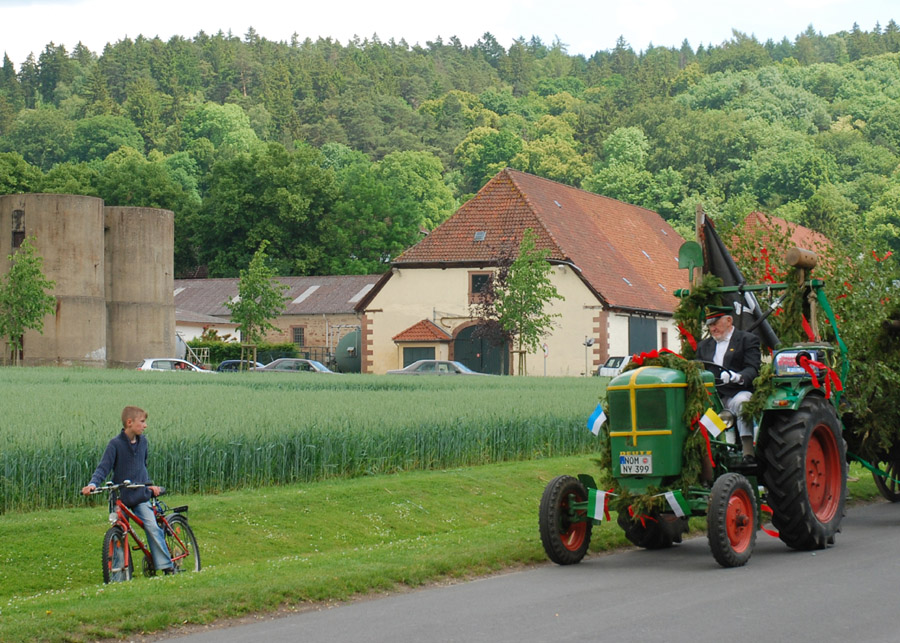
[(318, 313), (616, 265)]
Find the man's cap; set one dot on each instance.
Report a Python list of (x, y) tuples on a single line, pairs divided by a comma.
[(714, 313)]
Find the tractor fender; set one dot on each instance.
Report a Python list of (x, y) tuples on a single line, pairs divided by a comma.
[(790, 398)]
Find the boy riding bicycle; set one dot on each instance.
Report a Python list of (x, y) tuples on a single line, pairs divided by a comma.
[(126, 457)]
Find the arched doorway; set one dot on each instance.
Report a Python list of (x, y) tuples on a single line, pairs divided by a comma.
[(479, 354)]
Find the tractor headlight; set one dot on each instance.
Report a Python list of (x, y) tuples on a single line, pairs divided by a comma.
[(727, 417)]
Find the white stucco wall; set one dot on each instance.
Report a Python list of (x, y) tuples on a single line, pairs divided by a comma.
[(442, 296), (194, 331)]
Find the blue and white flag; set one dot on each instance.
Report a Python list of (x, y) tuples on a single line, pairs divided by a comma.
[(598, 417)]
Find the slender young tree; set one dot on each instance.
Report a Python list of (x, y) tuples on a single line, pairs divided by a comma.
[(515, 302), (260, 300), (24, 300)]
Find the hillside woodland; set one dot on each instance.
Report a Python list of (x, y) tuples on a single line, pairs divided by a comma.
[(343, 155)]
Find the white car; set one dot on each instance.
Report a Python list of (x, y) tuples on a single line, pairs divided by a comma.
[(169, 364), (614, 366)]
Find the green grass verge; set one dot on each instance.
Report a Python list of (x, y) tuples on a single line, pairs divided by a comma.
[(280, 547)]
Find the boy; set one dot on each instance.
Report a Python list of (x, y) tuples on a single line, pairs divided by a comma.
[(126, 456)]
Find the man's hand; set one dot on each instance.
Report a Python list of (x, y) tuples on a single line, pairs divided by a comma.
[(155, 490), (85, 491), (731, 377)]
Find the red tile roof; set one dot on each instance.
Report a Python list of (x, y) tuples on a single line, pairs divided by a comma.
[(626, 254), (424, 331), (800, 236)]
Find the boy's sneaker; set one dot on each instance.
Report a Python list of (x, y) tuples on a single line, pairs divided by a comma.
[(172, 570)]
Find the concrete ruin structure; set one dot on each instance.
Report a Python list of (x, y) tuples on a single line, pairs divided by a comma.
[(114, 273)]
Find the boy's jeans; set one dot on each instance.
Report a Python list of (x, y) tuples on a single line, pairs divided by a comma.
[(155, 537)]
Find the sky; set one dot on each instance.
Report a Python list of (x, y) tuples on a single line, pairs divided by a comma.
[(583, 26)]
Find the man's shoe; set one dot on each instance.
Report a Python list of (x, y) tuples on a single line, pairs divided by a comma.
[(172, 570)]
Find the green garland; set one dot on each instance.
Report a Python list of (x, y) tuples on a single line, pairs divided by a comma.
[(788, 323), (689, 313), (763, 388), (696, 403)]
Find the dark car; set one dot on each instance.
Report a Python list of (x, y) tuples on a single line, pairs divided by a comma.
[(235, 365), (295, 365), (435, 367)]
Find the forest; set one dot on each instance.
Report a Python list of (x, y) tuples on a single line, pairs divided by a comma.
[(342, 155)]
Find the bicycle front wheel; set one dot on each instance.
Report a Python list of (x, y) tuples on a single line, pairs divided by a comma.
[(182, 544), (117, 564)]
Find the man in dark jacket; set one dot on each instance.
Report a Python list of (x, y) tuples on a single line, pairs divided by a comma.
[(126, 457), (737, 352)]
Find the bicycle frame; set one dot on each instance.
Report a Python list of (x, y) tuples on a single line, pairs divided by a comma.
[(121, 515)]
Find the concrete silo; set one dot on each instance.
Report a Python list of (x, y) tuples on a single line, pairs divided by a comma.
[(68, 232), (139, 284)]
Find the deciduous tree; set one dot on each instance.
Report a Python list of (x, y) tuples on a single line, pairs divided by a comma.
[(24, 300)]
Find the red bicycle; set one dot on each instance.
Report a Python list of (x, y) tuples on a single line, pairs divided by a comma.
[(118, 565)]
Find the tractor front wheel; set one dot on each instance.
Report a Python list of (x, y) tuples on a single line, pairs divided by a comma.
[(806, 473), (565, 531), (732, 520)]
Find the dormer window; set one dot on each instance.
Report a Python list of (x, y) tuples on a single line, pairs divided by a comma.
[(480, 235)]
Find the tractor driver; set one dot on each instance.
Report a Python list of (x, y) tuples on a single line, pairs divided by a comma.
[(737, 353)]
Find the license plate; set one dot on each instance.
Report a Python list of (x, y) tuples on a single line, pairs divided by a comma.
[(636, 464)]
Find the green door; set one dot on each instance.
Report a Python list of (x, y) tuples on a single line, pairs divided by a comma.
[(415, 353), (479, 354), (641, 335)]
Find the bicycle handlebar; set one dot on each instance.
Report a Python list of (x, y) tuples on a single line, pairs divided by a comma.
[(109, 486)]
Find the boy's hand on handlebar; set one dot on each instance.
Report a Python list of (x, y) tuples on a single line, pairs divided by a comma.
[(86, 491), (157, 491)]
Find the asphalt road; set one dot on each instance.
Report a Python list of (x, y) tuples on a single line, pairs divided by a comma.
[(847, 592)]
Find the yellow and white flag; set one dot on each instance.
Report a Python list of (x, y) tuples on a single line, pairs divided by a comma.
[(712, 423)]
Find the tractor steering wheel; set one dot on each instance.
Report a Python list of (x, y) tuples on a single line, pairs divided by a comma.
[(715, 369)]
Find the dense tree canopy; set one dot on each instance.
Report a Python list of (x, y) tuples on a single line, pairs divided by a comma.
[(344, 154)]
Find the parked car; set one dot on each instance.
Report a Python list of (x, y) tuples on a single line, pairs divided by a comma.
[(614, 366), (435, 367), (234, 365), (295, 365), (169, 364)]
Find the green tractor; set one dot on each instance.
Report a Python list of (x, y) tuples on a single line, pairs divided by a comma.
[(798, 475)]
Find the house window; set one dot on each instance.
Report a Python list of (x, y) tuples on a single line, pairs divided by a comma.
[(664, 337), (478, 282), (298, 335)]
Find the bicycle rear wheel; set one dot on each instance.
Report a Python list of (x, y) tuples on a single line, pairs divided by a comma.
[(182, 544), (117, 563)]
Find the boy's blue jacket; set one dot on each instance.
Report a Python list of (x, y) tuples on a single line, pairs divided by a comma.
[(127, 461)]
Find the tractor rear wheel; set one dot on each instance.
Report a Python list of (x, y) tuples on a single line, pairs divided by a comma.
[(565, 532), (888, 487), (806, 473), (732, 520)]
